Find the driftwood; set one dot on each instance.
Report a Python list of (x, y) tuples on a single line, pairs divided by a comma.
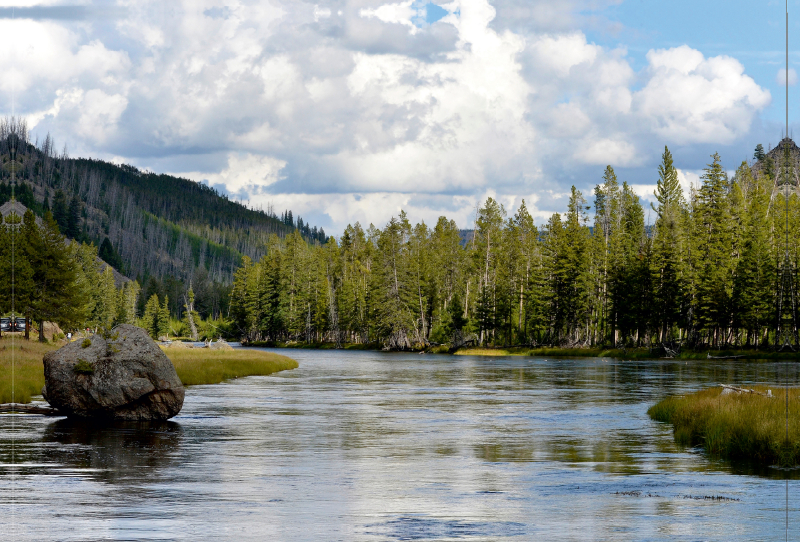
[(18, 408), (709, 356), (733, 389)]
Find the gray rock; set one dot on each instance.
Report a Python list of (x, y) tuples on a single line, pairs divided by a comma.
[(123, 375), (220, 345)]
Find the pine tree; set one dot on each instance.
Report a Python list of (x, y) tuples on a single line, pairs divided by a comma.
[(714, 248), (56, 295), (150, 318), (162, 322), (73, 225), (668, 250), (61, 210), (759, 153), (753, 296), (126, 303)]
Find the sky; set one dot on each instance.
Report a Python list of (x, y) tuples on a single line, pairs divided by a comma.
[(353, 110)]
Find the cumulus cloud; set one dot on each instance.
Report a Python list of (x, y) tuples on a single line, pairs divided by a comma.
[(348, 110), (689, 98), (244, 172)]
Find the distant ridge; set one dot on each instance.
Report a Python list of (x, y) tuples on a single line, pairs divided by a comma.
[(160, 226)]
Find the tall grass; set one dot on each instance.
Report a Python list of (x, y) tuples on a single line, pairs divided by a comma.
[(28, 371), (194, 366), (197, 366), (735, 426)]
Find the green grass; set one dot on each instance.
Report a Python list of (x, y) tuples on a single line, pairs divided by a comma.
[(28, 369), (197, 366), (735, 426)]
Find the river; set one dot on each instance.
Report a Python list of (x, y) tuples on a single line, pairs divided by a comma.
[(383, 447)]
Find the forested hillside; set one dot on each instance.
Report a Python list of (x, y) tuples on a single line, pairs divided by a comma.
[(704, 274), (157, 225)]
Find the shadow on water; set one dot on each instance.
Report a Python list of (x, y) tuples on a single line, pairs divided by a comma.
[(428, 528), (112, 451)]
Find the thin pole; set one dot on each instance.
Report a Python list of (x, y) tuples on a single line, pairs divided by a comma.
[(786, 261)]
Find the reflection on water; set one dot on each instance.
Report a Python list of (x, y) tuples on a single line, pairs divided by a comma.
[(112, 451), (374, 446)]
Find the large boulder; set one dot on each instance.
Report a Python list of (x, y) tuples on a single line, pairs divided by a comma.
[(120, 375)]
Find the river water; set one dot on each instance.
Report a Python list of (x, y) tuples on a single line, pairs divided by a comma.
[(384, 447)]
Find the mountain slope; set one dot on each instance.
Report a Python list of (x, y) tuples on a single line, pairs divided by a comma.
[(159, 225)]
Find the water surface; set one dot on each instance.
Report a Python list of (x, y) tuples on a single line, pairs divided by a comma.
[(381, 447)]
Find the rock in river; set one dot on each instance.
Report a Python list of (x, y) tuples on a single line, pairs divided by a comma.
[(119, 375)]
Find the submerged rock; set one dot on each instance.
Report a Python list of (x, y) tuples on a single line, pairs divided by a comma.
[(122, 375)]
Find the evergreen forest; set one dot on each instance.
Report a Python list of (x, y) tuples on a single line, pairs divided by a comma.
[(704, 271), (705, 274)]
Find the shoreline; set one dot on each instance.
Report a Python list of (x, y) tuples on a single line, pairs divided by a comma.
[(196, 366), (630, 354)]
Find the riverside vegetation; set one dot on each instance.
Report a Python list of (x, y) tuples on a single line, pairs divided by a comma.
[(703, 275), (746, 426), (194, 366)]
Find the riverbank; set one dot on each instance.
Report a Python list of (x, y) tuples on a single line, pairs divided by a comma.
[(738, 426), (195, 366), (552, 352)]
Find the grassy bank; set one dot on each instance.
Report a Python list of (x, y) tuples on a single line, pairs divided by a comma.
[(735, 426), (203, 366), (626, 353), (28, 368), (618, 353), (194, 366)]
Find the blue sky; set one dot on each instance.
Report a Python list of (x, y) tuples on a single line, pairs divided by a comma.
[(752, 32), (351, 110)]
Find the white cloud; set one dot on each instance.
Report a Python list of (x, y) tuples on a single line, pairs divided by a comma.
[(243, 172), (355, 115), (691, 99), (400, 13)]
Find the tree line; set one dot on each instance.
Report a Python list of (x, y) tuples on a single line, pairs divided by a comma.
[(46, 278), (704, 274)]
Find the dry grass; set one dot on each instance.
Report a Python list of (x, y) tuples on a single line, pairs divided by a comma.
[(735, 426), (28, 371), (203, 366), (194, 366), (556, 352)]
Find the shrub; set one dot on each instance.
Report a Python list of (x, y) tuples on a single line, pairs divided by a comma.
[(83, 367)]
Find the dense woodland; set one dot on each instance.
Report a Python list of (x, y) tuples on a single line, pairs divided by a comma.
[(704, 274)]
